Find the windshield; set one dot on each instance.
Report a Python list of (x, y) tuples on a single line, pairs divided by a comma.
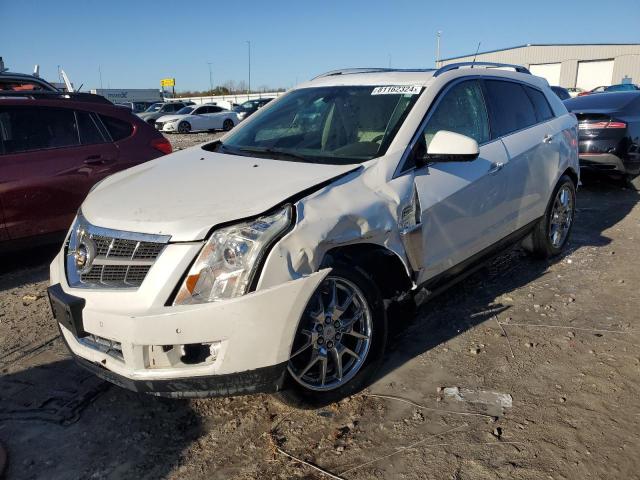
[(184, 111), (338, 124), (154, 108)]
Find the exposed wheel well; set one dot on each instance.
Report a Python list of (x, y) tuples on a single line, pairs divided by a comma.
[(381, 264)]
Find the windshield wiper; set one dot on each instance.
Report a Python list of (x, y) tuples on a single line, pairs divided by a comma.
[(276, 152)]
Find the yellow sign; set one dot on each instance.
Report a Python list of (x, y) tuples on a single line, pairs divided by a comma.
[(168, 82)]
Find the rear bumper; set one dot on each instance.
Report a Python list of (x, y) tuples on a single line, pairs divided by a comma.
[(603, 162)]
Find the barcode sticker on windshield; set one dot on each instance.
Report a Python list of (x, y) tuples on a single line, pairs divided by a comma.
[(397, 90)]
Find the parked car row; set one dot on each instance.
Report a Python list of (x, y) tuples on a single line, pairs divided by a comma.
[(189, 117), (620, 87)]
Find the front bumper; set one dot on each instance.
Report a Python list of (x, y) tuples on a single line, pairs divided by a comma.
[(168, 127), (252, 334)]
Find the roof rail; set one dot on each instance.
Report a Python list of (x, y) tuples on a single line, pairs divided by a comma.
[(454, 66), (57, 95), (348, 71)]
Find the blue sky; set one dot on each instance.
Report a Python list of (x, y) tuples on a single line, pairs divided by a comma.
[(136, 43)]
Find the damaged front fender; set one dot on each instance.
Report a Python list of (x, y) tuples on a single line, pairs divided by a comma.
[(359, 208)]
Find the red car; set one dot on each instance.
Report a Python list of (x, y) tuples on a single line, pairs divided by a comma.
[(54, 147)]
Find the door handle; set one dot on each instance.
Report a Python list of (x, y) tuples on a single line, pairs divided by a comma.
[(547, 138), (495, 168)]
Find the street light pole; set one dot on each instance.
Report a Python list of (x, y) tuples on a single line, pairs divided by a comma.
[(100, 73), (210, 79), (438, 34), (249, 50)]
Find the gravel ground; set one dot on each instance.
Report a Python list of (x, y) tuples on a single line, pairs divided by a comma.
[(558, 343)]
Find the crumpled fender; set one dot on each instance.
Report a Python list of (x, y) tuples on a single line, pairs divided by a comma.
[(360, 207)]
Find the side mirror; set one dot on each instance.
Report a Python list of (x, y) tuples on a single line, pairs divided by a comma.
[(448, 146)]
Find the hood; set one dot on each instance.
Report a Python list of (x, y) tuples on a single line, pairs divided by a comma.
[(186, 193)]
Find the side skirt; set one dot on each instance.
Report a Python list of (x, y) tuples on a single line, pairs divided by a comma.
[(441, 282)]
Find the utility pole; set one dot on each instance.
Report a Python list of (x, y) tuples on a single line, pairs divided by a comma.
[(438, 34), (100, 73), (249, 50), (210, 79), (389, 60)]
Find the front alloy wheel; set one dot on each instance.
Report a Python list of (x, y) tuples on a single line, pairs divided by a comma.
[(340, 337), (333, 344), (184, 127)]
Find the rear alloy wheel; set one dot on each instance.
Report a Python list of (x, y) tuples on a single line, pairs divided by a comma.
[(227, 125), (184, 127), (551, 233), (340, 336)]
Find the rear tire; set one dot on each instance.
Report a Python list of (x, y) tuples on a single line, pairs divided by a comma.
[(551, 233), (339, 342), (184, 127)]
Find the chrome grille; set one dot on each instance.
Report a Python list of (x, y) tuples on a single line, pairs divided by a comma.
[(114, 259)]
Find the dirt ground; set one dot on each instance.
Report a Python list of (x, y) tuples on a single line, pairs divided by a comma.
[(559, 341)]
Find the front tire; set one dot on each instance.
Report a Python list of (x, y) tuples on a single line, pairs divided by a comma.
[(339, 341), (552, 232), (227, 125), (184, 127)]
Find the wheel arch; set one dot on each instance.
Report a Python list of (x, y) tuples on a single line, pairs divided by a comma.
[(384, 266), (573, 175)]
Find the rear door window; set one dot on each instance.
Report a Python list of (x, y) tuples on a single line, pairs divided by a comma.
[(118, 129), (540, 104), (37, 128), (510, 109), (89, 131)]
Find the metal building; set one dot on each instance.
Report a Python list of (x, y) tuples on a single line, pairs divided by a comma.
[(570, 65)]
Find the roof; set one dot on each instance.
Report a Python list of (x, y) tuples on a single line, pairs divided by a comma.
[(538, 45), (412, 77)]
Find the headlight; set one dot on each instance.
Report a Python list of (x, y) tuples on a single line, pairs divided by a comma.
[(228, 261)]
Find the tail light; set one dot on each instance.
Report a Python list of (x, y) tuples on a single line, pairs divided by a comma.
[(601, 125), (161, 144)]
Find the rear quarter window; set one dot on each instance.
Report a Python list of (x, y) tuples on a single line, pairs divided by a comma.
[(540, 104), (510, 109), (118, 129), (89, 131)]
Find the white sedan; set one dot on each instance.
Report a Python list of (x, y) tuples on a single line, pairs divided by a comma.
[(197, 118)]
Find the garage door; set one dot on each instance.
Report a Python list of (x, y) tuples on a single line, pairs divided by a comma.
[(550, 71), (595, 73)]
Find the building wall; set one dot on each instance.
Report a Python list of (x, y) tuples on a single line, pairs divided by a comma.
[(626, 59)]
